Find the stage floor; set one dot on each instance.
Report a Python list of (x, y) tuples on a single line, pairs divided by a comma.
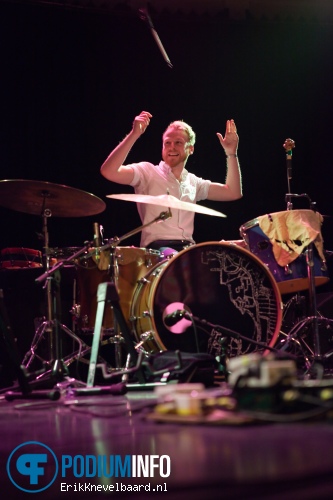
[(256, 453), (253, 459)]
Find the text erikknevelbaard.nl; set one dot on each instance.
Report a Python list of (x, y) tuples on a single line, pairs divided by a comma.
[(112, 488), (33, 467), (90, 466)]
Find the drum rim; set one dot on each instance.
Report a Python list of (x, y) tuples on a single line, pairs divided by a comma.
[(248, 225), (255, 221), (167, 264), (20, 258), (34, 251)]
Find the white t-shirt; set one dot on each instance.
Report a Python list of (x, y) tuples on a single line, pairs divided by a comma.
[(156, 180)]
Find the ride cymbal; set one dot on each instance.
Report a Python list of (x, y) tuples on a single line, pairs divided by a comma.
[(33, 197)]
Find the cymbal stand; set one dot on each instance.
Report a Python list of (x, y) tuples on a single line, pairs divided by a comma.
[(113, 284), (313, 356), (315, 359), (51, 326), (113, 242)]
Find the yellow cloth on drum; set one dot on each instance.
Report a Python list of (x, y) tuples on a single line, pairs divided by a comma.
[(290, 232)]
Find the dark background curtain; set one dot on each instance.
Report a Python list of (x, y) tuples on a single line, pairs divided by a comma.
[(73, 79)]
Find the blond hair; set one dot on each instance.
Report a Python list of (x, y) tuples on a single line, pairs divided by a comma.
[(181, 125)]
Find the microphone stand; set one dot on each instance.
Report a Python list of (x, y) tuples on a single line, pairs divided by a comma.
[(312, 319), (220, 357), (288, 145), (230, 333)]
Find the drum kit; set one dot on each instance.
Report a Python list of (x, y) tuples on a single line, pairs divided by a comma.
[(190, 301)]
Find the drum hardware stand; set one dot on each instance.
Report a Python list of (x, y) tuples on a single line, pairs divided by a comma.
[(52, 324), (222, 358), (315, 357), (23, 389), (108, 293), (318, 358), (226, 333), (230, 333), (123, 386), (114, 270), (297, 303), (114, 242)]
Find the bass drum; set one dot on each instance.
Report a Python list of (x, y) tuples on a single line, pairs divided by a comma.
[(221, 283)]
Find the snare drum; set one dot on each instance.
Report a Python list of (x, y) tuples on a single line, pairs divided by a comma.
[(20, 258), (131, 263), (221, 283), (283, 244)]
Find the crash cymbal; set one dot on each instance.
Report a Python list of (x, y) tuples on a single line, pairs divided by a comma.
[(33, 197), (166, 200)]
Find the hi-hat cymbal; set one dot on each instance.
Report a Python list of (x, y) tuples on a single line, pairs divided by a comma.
[(166, 200), (33, 197)]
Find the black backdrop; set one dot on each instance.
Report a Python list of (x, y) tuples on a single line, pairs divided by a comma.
[(72, 80)]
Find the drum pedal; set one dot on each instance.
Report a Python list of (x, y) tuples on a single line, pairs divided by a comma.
[(108, 294)]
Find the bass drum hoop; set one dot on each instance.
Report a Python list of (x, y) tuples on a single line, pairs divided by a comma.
[(144, 325)]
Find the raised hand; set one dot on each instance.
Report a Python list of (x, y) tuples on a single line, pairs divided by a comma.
[(230, 140), (141, 122)]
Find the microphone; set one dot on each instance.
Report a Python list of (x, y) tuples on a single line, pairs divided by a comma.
[(288, 145), (174, 317), (97, 240), (144, 15), (97, 235)]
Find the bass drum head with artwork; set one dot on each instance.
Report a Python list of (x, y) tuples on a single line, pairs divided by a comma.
[(221, 283)]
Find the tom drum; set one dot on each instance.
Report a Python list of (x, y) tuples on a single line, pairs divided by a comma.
[(131, 263), (20, 258), (280, 240)]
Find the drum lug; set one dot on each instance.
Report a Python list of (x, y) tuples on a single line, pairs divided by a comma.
[(145, 314), (149, 335), (149, 262), (85, 319), (143, 281), (145, 337), (287, 270), (75, 311)]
